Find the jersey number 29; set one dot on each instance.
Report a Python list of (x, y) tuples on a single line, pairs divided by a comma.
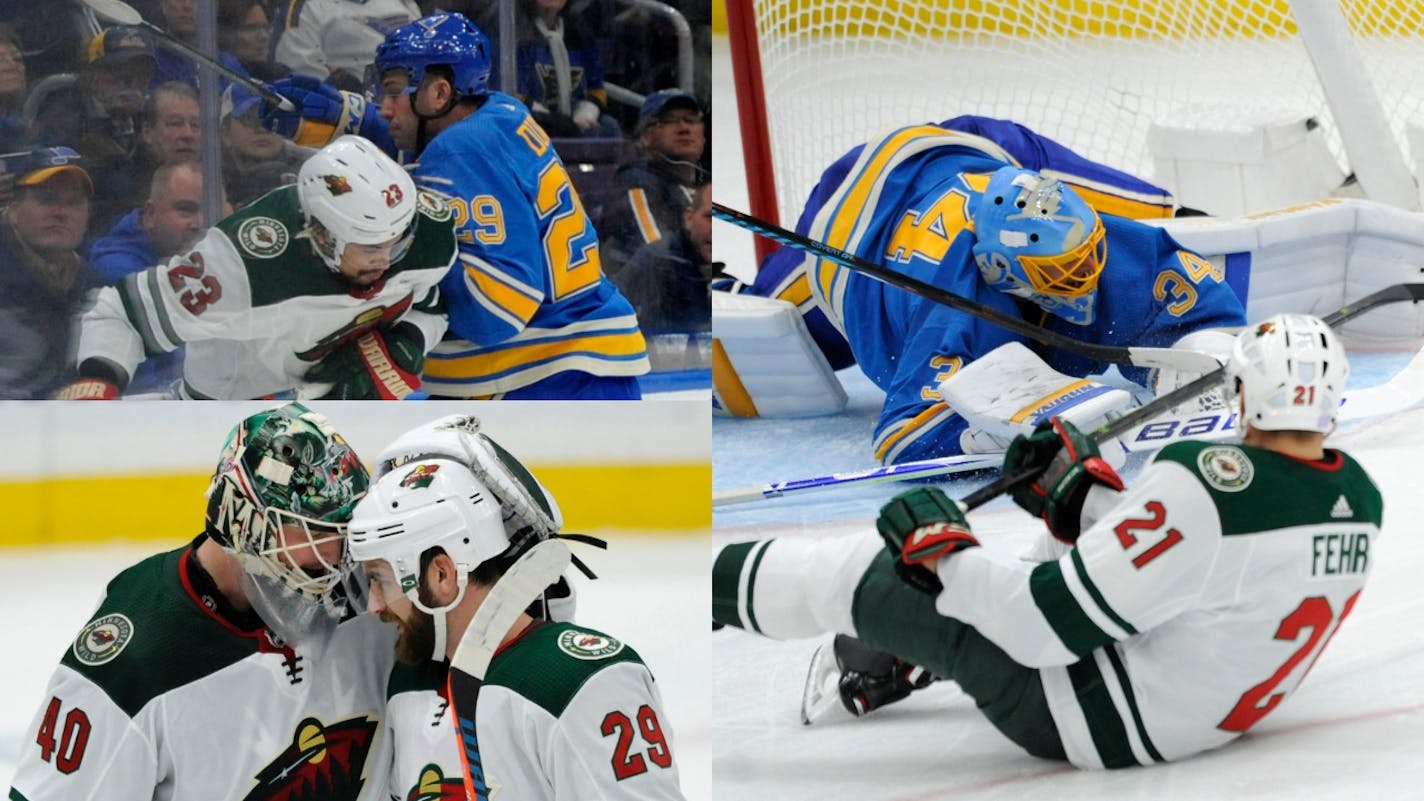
[(628, 762)]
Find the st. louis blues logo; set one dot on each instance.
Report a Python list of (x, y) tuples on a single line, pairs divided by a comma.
[(336, 184), (420, 477)]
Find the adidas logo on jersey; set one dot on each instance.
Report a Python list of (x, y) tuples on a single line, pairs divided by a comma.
[(1341, 508)]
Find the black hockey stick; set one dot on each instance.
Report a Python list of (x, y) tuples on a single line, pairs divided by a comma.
[(1390, 294), (1172, 359)]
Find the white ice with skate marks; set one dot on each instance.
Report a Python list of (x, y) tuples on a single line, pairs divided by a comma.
[(1353, 729)]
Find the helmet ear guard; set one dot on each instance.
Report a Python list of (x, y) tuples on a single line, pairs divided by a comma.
[(1037, 239)]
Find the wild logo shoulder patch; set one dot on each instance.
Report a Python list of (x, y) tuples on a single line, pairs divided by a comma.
[(432, 205), (262, 237), (587, 645), (1226, 468), (103, 639)]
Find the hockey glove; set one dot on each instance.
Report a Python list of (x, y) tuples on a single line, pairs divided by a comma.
[(89, 389), (323, 112), (384, 364), (919, 526), (1069, 464)]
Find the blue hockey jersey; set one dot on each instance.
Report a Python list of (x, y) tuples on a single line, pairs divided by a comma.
[(527, 298), (905, 201)]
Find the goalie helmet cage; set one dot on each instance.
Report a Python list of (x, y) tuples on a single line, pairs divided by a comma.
[(816, 77)]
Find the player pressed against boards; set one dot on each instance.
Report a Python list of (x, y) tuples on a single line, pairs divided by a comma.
[(268, 605), (531, 313), (993, 212), (325, 289), (1167, 619)]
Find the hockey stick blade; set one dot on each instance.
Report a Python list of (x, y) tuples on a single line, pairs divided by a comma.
[(963, 463), (525, 580), (1169, 358), (1397, 293)]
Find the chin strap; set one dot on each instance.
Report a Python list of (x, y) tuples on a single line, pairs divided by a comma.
[(439, 613)]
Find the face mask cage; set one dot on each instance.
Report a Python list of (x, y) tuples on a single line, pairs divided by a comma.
[(1071, 274), (307, 556)]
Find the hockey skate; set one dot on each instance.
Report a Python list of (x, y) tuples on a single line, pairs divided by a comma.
[(847, 675)]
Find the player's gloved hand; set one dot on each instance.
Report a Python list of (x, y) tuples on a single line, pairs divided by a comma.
[(919, 526), (1070, 464), (89, 389), (1214, 343), (323, 112), (384, 364)]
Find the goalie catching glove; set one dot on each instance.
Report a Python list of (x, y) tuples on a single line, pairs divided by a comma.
[(920, 526), (1068, 464), (384, 364)]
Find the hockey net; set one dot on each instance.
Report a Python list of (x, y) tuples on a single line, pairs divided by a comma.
[(1093, 74)]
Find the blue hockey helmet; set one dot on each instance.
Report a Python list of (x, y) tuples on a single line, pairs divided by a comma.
[(449, 40), (1037, 239)]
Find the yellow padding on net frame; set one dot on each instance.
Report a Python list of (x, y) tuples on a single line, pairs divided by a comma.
[(636, 498)]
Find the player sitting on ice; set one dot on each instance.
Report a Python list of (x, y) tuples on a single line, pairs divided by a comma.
[(324, 289), (1158, 634), (447, 538), (957, 210)]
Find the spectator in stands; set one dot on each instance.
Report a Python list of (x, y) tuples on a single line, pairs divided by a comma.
[(51, 35), (667, 281), (245, 31), (171, 127), (42, 277), (560, 71), (656, 187), (99, 113), (255, 160), (180, 20), (335, 40), (14, 82)]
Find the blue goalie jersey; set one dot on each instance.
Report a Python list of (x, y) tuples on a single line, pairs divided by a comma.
[(527, 299), (903, 200)]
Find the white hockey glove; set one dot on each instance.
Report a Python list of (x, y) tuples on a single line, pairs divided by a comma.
[(586, 114), (1214, 342), (1009, 390)]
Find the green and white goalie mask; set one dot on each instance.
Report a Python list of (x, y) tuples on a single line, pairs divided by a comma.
[(279, 501)]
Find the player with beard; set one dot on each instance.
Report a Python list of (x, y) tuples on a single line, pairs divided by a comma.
[(223, 669), (448, 516), (325, 289)]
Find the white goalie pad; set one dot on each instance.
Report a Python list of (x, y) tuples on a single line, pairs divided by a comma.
[(1314, 258), (764, 362), (1010, 390)]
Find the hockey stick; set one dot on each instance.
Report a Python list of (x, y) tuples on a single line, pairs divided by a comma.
[(1390, 294), (525, 580), (122, 13), (962, 463), (1401, 391), (1169, 358)]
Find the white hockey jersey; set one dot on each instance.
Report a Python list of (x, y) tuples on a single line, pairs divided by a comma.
[(1190, 608), (159, 698), (257, 308), (318, 37), (565, 714)]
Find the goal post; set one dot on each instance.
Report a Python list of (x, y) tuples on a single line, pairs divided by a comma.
[(815, 77)]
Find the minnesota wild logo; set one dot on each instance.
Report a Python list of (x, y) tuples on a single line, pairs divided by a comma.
[(336, 184), (420, 477)]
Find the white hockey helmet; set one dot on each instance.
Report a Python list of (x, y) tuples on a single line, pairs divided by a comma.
[(359, 195), (1290, 370)]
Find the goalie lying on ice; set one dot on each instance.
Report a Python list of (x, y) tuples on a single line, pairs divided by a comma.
[(1183, 610)]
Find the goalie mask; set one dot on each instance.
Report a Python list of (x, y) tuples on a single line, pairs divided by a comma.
[(1289, 372), (284, 487), (1037, 239), (353, 194)]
